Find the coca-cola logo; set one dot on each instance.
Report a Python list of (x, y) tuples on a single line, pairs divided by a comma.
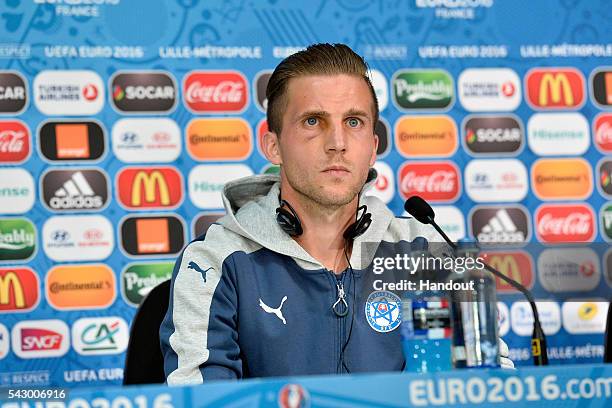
[(14, 141), (603, 132), (143, 92), (215, 91), (433, 181), (565, 223)]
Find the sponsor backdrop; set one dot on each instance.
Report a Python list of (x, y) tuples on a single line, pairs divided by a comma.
[(121, 121)]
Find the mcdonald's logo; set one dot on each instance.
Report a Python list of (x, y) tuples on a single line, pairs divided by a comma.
[(19, 290), (555, 88), (516, 265), (149, 187)]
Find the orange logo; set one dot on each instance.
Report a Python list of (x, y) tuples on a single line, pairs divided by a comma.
[(562, 179), (18, 290), (152, 235), (433, 136), (219, 139), (80, 287), (72, 141), (550, 88)]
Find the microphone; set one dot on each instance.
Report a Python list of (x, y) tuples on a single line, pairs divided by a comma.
[(422, 212)]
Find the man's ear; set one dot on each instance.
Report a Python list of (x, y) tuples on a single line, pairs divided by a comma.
[(271, 148), (373, 158)]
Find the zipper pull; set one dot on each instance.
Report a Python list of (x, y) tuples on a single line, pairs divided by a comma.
[(337, 307)]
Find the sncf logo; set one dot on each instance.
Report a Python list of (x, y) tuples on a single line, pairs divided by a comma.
[(40, 338), (216, 92), (149, 187), (555, 88)]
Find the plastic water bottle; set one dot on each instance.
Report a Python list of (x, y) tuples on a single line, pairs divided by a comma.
[(425, 329), (474, 312)]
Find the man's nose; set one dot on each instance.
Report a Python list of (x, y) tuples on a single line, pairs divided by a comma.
[(336, 139)]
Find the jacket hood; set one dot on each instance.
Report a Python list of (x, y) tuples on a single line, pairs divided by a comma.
[(251, 203)]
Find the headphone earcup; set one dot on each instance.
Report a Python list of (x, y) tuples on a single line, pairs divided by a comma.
[(358, 227), (288, 222)]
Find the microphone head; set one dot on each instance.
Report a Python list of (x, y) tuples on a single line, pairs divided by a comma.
[(419, 209)]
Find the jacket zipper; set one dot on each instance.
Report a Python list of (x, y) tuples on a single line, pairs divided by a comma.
[(339, 307)]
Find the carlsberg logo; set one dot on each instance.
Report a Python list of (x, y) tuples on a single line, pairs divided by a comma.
[(425, 89)]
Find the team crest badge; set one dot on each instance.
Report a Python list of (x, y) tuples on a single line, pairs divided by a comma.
[(383, 311)]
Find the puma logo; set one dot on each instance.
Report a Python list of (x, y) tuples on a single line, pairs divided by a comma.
[(276, 311), (196, 267)]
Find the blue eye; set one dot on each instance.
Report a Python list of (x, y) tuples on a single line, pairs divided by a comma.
[(353, 122), (311, 121)]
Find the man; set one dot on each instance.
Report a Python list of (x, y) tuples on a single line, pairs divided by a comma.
[(278, 286)]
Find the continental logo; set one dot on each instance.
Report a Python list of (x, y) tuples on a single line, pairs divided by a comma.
[(19, 290), (601, 81), (555, 88), (605, 177), (516, 265), (71, 141), (419, 136), (71, 287), (423, 89), (218, 139), (562, 179), (152, 235), (493, 135), (149, 187)]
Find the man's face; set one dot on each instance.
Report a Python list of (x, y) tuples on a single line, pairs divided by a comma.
[(327, 142)]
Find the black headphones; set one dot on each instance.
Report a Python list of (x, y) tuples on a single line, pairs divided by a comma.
[(289, 221)]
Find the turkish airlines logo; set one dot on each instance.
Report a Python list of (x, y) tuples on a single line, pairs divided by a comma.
[(432, 181), (602, 88), (219, 139), (66, 190), (143, 92), (72, 141), (602, 132), (605, 177), (216, 92), (40, 338), (486, 135), (418, 136), (149, 187), (69, 92), (500, 225), (555, 88), (516, 265), (489, 89), (562, 179), (19, 290), (14, 142), (565, 223), (569, 270), (384, 186), (13, 93), (152, 235)]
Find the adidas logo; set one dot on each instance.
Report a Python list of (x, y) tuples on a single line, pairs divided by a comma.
[(76, 193), (501, 228)]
